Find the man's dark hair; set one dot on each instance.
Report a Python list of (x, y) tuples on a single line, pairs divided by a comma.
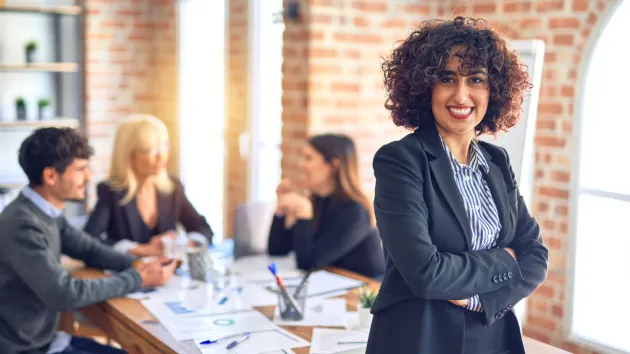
[(51, 147)]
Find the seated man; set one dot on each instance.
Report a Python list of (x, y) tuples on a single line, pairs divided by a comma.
[(34, 234)]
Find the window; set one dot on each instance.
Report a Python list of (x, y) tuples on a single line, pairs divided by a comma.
[(202, 107), (602, 194), (266, 96)]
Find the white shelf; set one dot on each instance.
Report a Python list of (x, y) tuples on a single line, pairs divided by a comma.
[(35, 124), (58, 10), (43, 67)]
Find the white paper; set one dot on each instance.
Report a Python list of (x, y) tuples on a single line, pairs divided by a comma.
[(213, 327), (274, 341), (176, 285), (326, 341), (254, 268), (323, 284), (319, 312)]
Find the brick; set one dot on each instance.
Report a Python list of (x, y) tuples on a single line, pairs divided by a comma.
[(550, 5), (394, 23), (361, 22), (416, 9), (511, 7), (555, 108), (553, 192), (369, 6), (345, 87), (563, 39), (553, 243), (531, 23), (484, 8), (545, 291), (564, 22), (318, 52), (550, 141), (321, 19), (560, 176), (567, 91), (542, 322)]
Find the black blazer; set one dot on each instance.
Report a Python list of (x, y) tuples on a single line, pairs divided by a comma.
[(124, 222), (427, 240), (344, 238)]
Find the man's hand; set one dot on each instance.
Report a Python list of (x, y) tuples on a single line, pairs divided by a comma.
[(155, 273), (462, 303)]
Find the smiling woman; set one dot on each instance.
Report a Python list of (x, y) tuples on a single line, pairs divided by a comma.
[(460, 244)]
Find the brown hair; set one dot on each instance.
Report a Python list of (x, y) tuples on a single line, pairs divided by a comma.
[(348, 182)]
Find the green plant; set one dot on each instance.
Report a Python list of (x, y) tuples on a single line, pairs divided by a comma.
[(30, 46), (20, 102), (366, 297), (43, 102)]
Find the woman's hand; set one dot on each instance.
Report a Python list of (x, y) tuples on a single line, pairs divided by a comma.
[(511, 252), (462, 303), (153, 248), (285, 186), (296, 205)]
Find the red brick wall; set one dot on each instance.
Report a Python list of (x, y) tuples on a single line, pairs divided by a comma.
[(131, 67), (333, 82), (332, 75)]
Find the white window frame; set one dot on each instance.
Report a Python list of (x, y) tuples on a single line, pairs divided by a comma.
[(249, 141), (198, 148), (576, 190)]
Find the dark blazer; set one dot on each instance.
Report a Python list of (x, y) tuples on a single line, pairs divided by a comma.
[(124, 221), (344, 238), (427, 239)]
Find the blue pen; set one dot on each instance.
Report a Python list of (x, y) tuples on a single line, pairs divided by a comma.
[(238, 341), (205, 342), (223, 301)]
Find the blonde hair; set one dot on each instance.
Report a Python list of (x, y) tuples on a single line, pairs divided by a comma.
[(136, 133)]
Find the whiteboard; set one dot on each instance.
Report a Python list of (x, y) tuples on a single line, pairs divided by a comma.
[(519, 141)]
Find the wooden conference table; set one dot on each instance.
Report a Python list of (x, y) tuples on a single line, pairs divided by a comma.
[(128, 323)]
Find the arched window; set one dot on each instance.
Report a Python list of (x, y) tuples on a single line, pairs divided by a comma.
[(601, 198)]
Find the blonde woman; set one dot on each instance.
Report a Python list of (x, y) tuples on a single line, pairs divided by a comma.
[(139, 203)]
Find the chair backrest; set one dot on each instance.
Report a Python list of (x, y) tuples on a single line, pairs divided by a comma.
[(251, 228)]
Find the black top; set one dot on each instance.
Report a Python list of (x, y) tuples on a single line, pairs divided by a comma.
[(125, 222), (427, 240), (344, 239)]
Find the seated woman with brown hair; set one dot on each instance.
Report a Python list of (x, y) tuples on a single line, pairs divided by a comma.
[(335, 227), (139, 203)]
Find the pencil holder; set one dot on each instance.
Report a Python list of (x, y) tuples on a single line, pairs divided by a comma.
[(198, 262), (287, 311)]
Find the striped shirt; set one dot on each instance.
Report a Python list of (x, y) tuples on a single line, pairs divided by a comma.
[(480, 207)]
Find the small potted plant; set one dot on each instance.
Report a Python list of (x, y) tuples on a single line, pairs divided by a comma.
[(366, 300), (30, 49), (20, 108), (42, 107)]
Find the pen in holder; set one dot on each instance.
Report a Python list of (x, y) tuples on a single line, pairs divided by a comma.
[(287, 301), (286, 307)]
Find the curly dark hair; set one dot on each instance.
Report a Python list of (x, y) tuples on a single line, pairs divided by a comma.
[(51, 147), (411, 70)]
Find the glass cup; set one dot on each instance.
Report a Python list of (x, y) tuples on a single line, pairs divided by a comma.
[(287, 311)]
